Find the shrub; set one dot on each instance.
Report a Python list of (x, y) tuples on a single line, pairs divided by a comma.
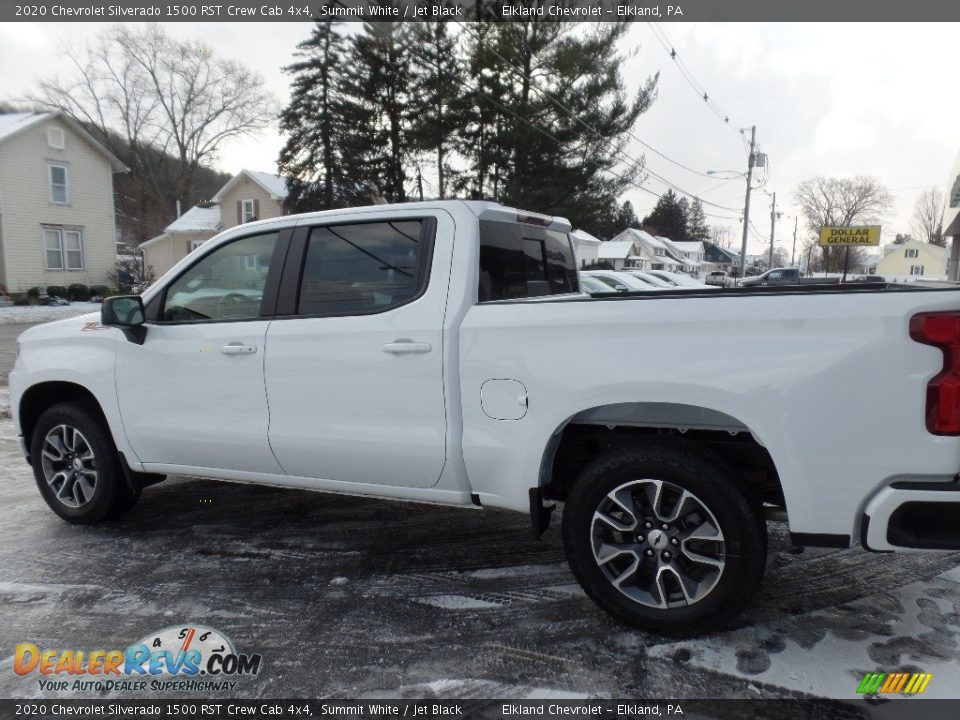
[(100, 291), (78, 292), (57, 291)]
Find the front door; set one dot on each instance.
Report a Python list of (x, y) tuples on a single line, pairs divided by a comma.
[(192, 394), (354, 372)]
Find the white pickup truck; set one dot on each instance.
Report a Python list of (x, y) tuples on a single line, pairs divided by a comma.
[(441, 352)]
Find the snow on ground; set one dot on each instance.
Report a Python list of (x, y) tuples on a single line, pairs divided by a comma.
[(45, 313)]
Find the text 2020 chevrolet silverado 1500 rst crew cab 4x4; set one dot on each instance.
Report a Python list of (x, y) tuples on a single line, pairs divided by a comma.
[(441, 352)]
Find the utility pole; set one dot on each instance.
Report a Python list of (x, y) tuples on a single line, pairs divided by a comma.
[(793, 253), (419, 183), (746, 202), (773, 228)]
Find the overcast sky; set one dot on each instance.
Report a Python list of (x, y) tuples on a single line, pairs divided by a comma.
[(834, 100)]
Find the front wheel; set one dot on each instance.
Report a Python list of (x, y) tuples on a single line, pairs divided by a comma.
[(75, 465), (664, 538)]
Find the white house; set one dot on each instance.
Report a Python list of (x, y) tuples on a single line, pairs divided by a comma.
[(585, 247), (56, 204), (248, 195), (619, 253), (912, 260), (660, 253), (690, 253)]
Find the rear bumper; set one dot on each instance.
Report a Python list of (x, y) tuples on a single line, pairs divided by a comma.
[(913, 516)]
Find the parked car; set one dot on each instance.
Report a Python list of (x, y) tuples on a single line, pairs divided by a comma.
[(679, 279), (621, 281), (595, 286), (436, 352), (720, 278), (787, 276), (650, 278)]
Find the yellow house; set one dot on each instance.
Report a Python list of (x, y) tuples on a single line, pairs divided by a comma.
[(248, 195), (56, 203), (913, 260)]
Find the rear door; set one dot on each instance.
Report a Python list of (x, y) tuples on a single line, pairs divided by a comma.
[(354, 365)]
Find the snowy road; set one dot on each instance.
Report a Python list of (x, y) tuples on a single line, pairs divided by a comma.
[(354, 597)]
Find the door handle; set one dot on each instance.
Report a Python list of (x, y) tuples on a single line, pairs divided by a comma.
[(238, 349), (406, 346)]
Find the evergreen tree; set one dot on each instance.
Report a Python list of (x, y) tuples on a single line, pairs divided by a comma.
[(669, 217), (697, 227), (312, 158), (436, 110)]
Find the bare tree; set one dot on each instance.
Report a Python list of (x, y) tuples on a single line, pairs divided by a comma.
[(928, 217), (148, 96), (827, 201)]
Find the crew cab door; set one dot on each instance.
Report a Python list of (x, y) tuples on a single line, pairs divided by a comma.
[(192, 394), (354, 364)]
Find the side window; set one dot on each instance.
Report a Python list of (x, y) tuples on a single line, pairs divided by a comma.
[(519, 261), (365, 268), (775, 275), (227, 284)]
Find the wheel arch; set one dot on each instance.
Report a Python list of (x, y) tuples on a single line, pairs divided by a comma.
[(594, 430), (40, 397)]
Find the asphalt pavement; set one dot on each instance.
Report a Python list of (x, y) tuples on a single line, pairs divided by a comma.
[(352, 597)]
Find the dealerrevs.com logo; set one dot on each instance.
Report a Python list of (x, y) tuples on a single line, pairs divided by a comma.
[(183, 657)]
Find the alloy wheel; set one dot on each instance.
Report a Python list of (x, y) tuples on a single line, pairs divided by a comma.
[(69, 465)]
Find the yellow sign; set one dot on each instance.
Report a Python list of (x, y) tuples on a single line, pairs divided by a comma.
[(856, 235)]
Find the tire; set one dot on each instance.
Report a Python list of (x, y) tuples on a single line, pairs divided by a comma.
[(696, 580), (75, 465)]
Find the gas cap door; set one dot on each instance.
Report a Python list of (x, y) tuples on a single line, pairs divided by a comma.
[(503, 399)]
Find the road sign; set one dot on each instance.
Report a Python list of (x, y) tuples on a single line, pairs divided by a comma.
[(851, 235)]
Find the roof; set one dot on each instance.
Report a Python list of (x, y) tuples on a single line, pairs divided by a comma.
[(930, 247), (12, 124), (583, 236), (694, 246), (197, 219), (615, 249), (275, 185)]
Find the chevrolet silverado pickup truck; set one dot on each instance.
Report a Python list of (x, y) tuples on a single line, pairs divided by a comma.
[(442, 352)]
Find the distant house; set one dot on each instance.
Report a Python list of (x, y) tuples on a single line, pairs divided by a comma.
[(56, 203), (619, 253), (249, 195), (912, 260), (691, 254), (660, 253), (721, 258), (585, 247)]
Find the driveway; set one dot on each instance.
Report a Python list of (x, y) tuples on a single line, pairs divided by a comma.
[(352, 597)]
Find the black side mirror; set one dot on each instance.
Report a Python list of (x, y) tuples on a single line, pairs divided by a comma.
[(125, 312)]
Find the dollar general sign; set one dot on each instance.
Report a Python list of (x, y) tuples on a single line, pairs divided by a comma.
[(857, 235)]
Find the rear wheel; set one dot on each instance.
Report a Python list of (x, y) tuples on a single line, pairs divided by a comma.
[(75, 465), (665, 538)]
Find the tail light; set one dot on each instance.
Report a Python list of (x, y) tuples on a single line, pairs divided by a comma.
[(941, 330)]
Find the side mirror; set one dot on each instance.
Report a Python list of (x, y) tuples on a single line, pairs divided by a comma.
[(125, 312)]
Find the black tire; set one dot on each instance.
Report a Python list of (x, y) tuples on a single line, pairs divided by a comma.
[(110, 486), (715, 487)]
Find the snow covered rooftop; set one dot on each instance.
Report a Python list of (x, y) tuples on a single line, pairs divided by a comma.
[(584, 237), (615, 249), (12, 123), (273, 184), (197, 219)]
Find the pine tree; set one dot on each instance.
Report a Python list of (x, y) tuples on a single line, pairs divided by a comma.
[(436, 109), (669, 217), (697, 227), (311, 158)]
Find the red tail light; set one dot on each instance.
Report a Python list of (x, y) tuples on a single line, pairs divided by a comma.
[(941, 330)]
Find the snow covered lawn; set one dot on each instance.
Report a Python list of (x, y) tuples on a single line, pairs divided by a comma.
[(45, 313)]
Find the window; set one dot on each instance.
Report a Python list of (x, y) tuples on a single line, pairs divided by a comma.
[(59, 192), (194, 244), (916, 269), (63, 249), (222, 285), (249, 211), (910, 253), (364, 268), (518, 261), (55, 138)]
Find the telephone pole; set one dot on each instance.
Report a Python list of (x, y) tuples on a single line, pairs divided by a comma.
[(419, 183), (773, 229), (793, 253), (746, 202)]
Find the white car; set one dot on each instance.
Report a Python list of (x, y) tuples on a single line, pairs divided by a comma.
[(680, 280), (650, 278), (442, 352), (618, 278)]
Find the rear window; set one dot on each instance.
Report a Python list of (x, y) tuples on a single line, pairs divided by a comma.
[(520, 261)]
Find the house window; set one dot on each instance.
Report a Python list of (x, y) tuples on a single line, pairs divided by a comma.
[(910, 252), (916, 269), (248, 213), (194, 244), (63, 249), (59, 184), (55, 138)]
